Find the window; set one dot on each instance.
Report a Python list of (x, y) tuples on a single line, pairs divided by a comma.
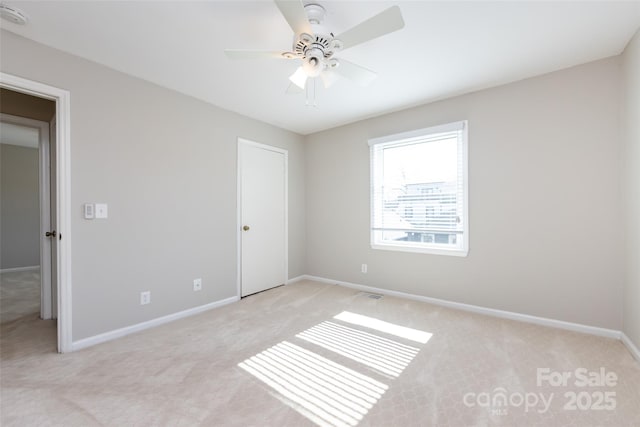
[(419, 191)]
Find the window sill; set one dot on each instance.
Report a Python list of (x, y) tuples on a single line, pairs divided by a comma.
[(415, 249)]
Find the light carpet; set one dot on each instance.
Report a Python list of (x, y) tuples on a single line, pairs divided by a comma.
[(313, 353), (19, 294)]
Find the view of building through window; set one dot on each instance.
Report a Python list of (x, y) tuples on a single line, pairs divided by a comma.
[(430, 208), (418, 191)]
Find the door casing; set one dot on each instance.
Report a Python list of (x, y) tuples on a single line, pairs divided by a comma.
[(62, 155)]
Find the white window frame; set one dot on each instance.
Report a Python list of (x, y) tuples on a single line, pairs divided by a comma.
[(406, 136)]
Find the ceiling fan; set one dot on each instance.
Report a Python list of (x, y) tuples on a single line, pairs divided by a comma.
[(315, 45)]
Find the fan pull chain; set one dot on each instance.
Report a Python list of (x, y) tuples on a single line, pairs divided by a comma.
[(310, 91)]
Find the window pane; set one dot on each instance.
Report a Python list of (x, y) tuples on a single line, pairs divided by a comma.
[(418, 191)]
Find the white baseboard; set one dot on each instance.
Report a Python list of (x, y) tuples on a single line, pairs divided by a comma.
[(16, 269), (576, 327), (630, 346), (296, 279), (118, 333)]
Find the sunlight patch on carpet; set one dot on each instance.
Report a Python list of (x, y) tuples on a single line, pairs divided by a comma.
[(325, 392), (382, 354), (416, 335)]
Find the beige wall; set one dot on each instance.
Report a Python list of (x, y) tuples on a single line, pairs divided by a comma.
[(545, 204), (166, 165), (542, 241), (631, 120), (19, 207)]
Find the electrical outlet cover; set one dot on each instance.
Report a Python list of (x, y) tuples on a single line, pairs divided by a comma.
[(145, 297)]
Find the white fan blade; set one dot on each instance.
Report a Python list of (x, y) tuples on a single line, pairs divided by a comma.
[(294, 13), (254, 54), (383, 23), (294, 89), (329, 77), (355, 73)]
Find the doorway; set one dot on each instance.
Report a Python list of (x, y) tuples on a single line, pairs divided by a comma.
[(60, 199), (27, 207), (262, 217)]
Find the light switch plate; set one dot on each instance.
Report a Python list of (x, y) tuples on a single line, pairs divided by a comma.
[(101, 210), (89, 211)]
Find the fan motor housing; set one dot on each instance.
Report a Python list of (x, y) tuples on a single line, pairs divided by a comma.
[(322, 38), (13, 14)]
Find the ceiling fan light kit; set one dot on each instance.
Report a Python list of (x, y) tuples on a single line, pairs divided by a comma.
[(299, 78), (315, 46)]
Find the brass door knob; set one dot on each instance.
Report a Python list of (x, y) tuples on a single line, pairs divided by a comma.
[(245, 228)]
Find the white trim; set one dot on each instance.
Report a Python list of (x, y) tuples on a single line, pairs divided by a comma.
[(63, 185), (44, 189), (418, 133), (118, 333), (238, 220), (247, 142), (419, 250), (465, 185), (635, 352), (53, 256), (543, 321), (285, 275), (297, 279), (16, 269), (375, 203)]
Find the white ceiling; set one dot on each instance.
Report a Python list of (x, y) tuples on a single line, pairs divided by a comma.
[(446, 48)]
